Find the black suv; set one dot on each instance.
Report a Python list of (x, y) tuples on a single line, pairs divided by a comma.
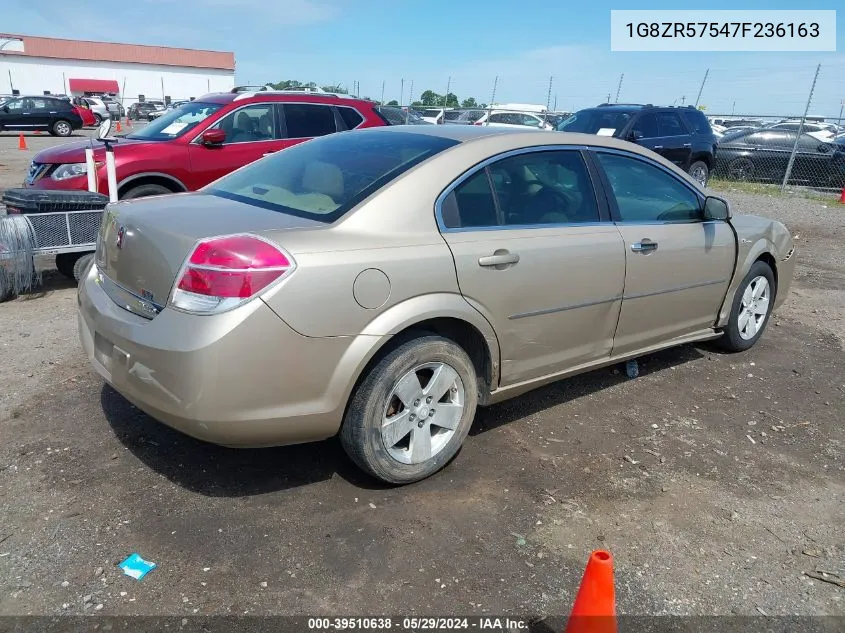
[(28, 114), (679, 134)]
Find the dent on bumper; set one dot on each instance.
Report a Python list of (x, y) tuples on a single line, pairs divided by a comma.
[(242, 378)]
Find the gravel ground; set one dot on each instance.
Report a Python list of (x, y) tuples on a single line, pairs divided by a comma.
[(717, 481)]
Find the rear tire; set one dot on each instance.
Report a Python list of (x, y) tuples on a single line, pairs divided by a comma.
[(142, 191), (81, 266), (61, 128), (97, 119), (749, 315), (401, 442), (741, 169), (65, 263), (700, 172)]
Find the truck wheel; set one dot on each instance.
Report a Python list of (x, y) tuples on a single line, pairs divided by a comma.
[(700, 172), (142, 191), (81, 266), (750, 310), (410, 414), (65, 263)]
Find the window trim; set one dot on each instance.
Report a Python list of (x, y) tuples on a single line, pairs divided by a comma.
[(611, 197), (604, 215)]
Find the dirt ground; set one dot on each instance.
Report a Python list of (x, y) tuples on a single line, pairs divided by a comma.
[(717, 481)]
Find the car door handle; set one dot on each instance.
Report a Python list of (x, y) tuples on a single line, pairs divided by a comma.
[(658, 147), (687, 144), (645, 246), (499, 258)]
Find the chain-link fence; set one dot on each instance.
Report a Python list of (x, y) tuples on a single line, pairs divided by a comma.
[(780, 150)]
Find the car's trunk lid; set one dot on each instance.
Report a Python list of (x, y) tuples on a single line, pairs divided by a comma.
[(143, 243)]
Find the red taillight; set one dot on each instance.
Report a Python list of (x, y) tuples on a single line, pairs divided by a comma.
[(223, 271)]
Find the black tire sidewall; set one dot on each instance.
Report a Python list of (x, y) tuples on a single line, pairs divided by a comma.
[(731, 340), (748, 174), (704, 166), (65, 263), (361, 431), (81, 265), (142, 191), (55, 126)]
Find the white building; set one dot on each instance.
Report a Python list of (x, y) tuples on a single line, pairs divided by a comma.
[(40, 65)]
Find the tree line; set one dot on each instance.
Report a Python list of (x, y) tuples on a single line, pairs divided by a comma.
[(428, 99)]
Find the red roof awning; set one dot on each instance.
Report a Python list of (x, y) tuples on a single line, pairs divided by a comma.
[(94, 85)]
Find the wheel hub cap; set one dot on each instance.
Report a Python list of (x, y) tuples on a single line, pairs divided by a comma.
[(755, 308), (422, 413)]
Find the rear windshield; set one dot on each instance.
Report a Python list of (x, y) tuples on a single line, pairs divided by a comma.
[(326, 177), (177, 122), (452, 115), (431, 113), (605, 122)]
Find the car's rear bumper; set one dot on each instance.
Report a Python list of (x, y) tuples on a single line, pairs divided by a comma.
[(242, 378)]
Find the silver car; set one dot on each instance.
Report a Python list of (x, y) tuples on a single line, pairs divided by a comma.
[(381, 284)]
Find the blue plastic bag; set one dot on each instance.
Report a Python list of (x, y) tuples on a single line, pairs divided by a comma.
[(136, 567)]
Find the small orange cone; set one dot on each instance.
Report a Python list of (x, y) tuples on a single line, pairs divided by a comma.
[(118, 125), (38, 132), (22, 142), (128, 122), (594, 610), (842, 196)]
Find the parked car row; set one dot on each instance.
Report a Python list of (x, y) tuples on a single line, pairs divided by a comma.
[(55, 115)]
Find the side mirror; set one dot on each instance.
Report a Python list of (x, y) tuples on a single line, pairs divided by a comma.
[(6, 109), (635, 135), (211, 138), (716, 209)]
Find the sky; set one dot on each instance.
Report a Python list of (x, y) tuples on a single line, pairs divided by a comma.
[(466, 45)]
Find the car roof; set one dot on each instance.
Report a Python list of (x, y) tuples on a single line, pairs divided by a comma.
[(293, 96), (516, 138)]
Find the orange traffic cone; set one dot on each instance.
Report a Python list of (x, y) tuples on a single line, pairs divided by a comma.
[(38, 132), (842, 196), (594, 610), (128, 122), (22, 142), (118, 125)]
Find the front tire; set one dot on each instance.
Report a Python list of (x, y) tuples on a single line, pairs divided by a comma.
[(142, 191), (751, 308), (409, 416)]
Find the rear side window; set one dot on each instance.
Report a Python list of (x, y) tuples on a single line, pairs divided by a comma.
[(306, 120), (351, 117), (670, 124), (531, 189), (646, 126), (325, 178), (697, 121)]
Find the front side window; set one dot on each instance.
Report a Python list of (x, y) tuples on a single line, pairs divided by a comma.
[(325, 178), (532, 189), (15, 105), (176, 122), (249, 124), (646, 193), (307, 120)]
